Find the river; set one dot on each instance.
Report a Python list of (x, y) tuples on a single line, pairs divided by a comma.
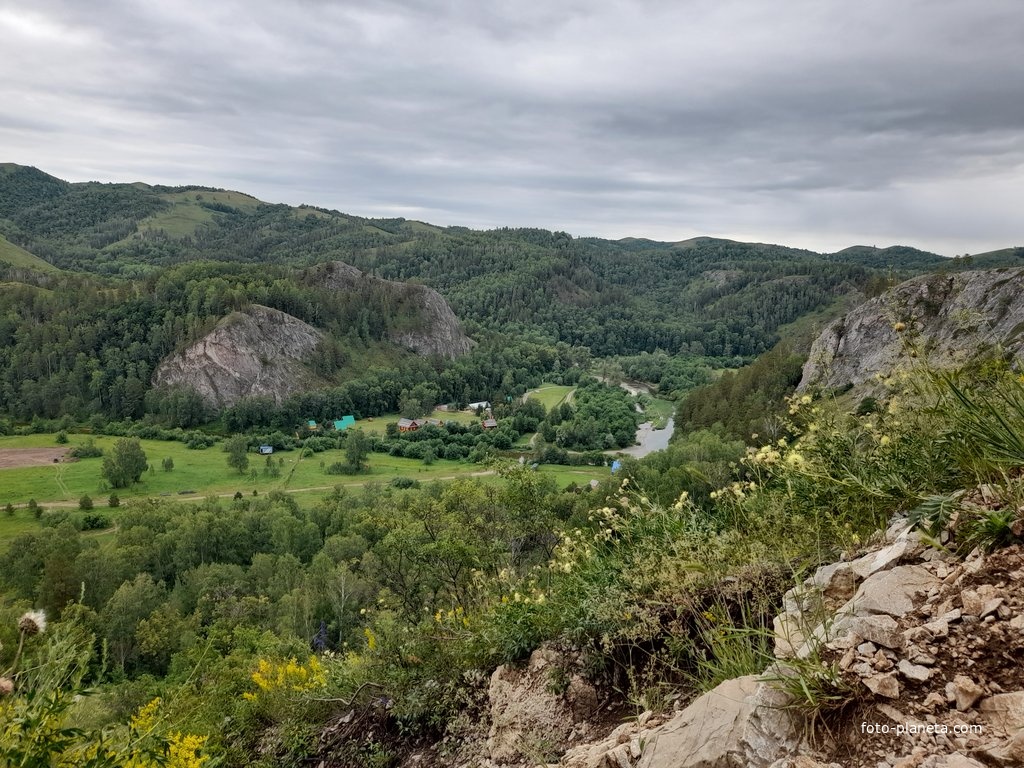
[(650, 439)]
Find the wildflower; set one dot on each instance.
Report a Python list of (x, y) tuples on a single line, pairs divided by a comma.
[(33, 623), (146, 717), (899, 327), (805, 400), (185, 751), (6, 686), (884, 440)]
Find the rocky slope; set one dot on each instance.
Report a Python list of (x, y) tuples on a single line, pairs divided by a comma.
[(425, 323), (944, 319), (925, 648), (255, 351)]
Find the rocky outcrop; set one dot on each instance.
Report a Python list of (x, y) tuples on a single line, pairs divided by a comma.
[(423, 321), (927, 646), (254, 351), (528, 716), (947, 320)]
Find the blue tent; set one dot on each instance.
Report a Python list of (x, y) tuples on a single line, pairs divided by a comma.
[(616, 466), (344, 422)]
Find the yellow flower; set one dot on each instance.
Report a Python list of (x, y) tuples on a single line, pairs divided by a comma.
[(185, 749), (146, 718)]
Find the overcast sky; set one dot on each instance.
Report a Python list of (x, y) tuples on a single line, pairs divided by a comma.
[(816, 123)]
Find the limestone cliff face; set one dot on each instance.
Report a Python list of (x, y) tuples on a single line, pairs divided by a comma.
[(255, 351), (425, 323), (947, 319)]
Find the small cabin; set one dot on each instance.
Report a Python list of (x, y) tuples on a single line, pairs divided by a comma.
[(311, 425), (266, 450), (483, 405), (408, 425), (489, 424), (344, 423)]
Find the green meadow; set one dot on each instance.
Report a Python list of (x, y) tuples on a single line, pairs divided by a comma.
[(18, 257), (202, 472), (198, 474), (550, 395)]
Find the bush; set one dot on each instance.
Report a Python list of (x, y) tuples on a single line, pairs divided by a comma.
[(54, 518), (199, 441), (85, 502), (87, 450), (62, 437), (9, 510), (341, 468), (94, 522), (114, 500), (404, 482)]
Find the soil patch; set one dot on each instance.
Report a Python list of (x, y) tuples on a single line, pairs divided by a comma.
[(31, 457)]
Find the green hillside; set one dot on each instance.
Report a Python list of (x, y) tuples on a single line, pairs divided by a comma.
[(18, 257), (704, 296), (150, 269)]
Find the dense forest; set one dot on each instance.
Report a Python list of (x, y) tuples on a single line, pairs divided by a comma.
[(702, 297), (144, 271)]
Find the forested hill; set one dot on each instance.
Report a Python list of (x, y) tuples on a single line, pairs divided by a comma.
[(703, 296)]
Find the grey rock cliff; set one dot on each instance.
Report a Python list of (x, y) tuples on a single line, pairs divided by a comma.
[(255, 351), (947, 320), (425, 323)]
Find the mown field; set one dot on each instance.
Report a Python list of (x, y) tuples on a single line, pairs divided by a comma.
[(550, 395)]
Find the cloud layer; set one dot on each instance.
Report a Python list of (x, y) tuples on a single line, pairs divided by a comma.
[(813, 122)]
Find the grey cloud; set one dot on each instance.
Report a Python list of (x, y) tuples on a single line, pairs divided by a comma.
[(817, 123)]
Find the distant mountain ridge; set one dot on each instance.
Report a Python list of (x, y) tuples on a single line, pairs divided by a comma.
[(703, 296)]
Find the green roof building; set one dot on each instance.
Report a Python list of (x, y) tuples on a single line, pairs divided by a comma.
[(344, 422)]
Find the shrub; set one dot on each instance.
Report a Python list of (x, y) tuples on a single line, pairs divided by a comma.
[(85, 502), (341, 468), (62, 437), (87, 450), (94, 522), (114, 500)]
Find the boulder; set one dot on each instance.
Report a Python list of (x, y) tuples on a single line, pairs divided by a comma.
[(892, 592), (743, 723), (1004, 711)]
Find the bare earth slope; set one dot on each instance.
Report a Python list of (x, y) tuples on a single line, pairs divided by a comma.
[(255, 351), (947, 319)]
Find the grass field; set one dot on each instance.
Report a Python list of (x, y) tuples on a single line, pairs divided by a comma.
[(18, 257), (205, 473), (550, 395), (187, 213)]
